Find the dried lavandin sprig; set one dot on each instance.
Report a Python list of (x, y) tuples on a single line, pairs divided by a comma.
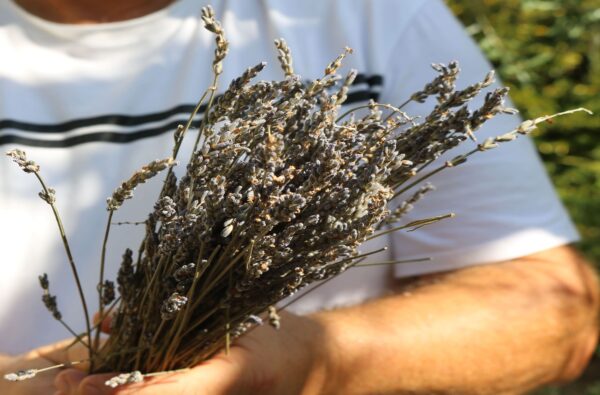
[(27, 374), (342, 95), (48, 299), (122, 193), (125, 191), (442, 86), (211, 24), (407, 205), (333, 67), (20, 158), (125, 378), (221, 48), (108, 292), (21, 375), (136, 377), (49, 196), (525, 128), (284, 55)]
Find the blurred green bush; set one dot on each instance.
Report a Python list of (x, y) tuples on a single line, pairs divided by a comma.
[(548, 53)]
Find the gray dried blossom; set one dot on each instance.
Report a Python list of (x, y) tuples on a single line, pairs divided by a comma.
[(342, 95), (125, 191), (333, 67), (172, 306), (108, 292), (48, 196), (125, 277), (442, 86), (274, 318), (407, 205), (50, 303), (125, 378), (49, 300), (44, 282), (284, 54), (165, 209), (222, 45), (20, 158), (185, 272), (253, 319), (21, 375)]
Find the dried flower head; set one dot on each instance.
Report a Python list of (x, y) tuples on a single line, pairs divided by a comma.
[(21, 375), (48, 196), (20, 158), (284, 54), (125, 378), (125, 191), (222, 45), (172, 306)]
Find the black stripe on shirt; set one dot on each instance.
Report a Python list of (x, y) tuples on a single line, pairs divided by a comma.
[(111, 119), (108, 137)]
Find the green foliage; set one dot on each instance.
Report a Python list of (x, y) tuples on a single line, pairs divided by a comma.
[(548, 52)]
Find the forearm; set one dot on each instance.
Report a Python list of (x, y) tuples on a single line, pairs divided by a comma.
[(502, 328)]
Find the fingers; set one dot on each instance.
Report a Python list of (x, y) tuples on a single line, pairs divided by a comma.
[(216, 377), (60, 352), (105, 327), (66, 381)]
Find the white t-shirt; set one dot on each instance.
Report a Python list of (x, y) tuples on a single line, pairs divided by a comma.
[(92, 103)]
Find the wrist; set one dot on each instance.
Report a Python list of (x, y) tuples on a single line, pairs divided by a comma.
[(330, 355), (310, 346)]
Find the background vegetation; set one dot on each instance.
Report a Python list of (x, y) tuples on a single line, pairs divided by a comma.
[(548, 52)]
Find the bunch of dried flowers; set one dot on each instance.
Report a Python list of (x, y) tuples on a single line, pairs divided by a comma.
[(279, 193)]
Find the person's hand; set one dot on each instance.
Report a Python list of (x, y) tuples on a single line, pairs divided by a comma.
[(265, 361), (38, 358)]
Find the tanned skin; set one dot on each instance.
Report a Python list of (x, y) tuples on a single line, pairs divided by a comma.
[(77, 12)]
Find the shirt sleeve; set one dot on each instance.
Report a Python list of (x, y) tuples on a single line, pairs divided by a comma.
[(505, 204)]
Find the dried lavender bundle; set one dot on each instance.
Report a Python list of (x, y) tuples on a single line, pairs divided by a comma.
[(280, 192)]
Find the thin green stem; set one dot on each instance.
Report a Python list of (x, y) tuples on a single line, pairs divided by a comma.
[(432, 173), (319, 285), (227, 317), (418, 181), (78, 336), (72, 332), (190, 121), (101, 280), (184, 131), (393, 262), (350, 111), (213, 89), (400, 107), (414, 224), (67, 248)]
